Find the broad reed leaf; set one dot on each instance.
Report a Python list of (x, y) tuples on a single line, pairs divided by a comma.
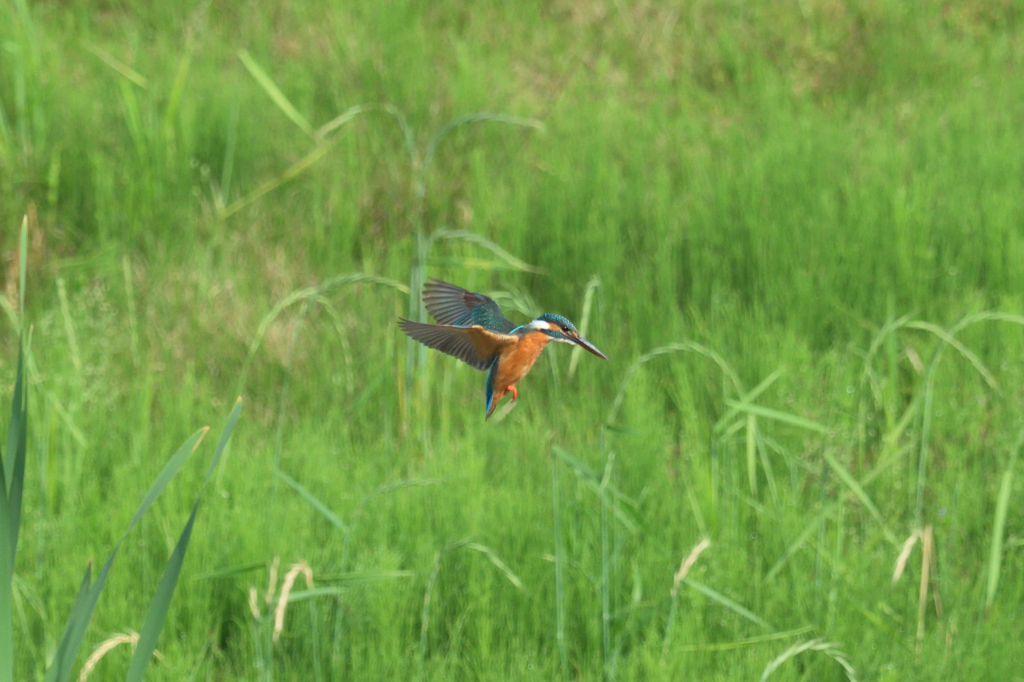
[(324, 510), (270, 87), (14, 462), (999, 525), (165, 590), (12, 478), (6, 587), (81, 612)]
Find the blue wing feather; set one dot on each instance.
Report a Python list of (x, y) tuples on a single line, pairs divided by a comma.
[(455, 306)]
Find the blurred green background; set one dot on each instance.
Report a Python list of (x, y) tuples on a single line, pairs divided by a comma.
[(818, 202)]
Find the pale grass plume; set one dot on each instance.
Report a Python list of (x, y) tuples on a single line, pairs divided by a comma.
[(254, 606), (688, 563), (272, 581), (830, 649), (131, 637), (901, 560), (289, 580), (928, 565)]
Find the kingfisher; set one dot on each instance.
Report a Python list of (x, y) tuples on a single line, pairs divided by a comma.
[(472, 328)]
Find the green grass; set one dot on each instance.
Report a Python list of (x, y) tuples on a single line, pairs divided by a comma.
[(806, 206)]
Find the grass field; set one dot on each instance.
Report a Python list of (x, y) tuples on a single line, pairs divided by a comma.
[(814, 209)]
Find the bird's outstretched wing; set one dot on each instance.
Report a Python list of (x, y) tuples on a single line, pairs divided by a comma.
[(452, 305), (475, 346)]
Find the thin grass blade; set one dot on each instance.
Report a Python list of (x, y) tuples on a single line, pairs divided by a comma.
[(119, 66), (777, 415), (750, 397), (729, 604), (859, 493), (588, 304), (290, 173), (309, 497), (999, 525), (270, 87), (498, 563)]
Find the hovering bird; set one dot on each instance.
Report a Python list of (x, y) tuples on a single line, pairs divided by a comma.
[(473, 329)]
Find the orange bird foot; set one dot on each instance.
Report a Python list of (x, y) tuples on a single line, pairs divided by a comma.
[(515, 394)]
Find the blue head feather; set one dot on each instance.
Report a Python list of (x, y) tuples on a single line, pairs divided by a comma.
[(557, 321)]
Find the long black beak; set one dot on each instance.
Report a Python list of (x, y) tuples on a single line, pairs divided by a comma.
[(580, 341)]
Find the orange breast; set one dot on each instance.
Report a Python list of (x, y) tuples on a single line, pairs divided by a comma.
[(517, 359)]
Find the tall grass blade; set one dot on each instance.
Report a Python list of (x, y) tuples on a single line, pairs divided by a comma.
[(309, 497), (154, 622), (776, 415), (594, 482), (750, 397), (12, 479), (498, 563), (588, 303), (1002, 506), (729, 604), (119, 66), (81, 612), (177, 90), (556, 504), (17, 434), (926, 426), (6, 587), (859, 493), (275, 93), (752, 454), (22, 268)]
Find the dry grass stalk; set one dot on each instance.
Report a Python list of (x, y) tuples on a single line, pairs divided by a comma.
[(104, 647), (901, 561), (929, 565), (289, 580), (254, 606), (272, 581), (688, 563)]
